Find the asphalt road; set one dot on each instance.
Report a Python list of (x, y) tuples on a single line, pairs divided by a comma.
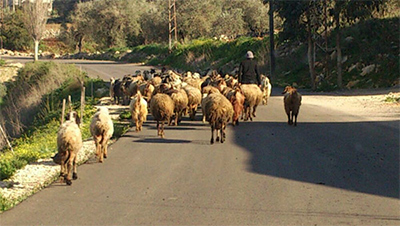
[(96, 68), (334, 168)]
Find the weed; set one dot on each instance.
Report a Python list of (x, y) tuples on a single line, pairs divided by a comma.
[(392, 98)]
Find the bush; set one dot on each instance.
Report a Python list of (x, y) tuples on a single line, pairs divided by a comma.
[(24, 95), (13, 32)]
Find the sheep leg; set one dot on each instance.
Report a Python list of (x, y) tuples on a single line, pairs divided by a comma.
[(222, 135), (212, 135), (295, 119), (139, 128), (176, 118), (75, 172), (105, 148), (289, 120), (254, 110), (137, 124), (68, 178), (158, 128), (162, 129), (245, 113)]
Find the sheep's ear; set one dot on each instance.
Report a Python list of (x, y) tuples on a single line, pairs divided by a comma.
[(77, 119)]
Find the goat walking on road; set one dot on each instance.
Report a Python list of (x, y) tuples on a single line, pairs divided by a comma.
[(292, 102)]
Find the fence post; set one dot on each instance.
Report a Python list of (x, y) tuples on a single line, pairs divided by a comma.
[(63, 112), (82, 101)]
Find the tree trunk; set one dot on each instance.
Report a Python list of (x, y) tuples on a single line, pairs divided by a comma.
[(271, 38), (36, 50), (311, 63), (310, 54), (80, 44), (338, 54)]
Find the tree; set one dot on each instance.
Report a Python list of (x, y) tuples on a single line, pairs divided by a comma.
[(35, 19), (109, 22), (349, 12), (82, 23), (13, 32), (300, 22)]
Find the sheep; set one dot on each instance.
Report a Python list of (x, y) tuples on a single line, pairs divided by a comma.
[(180, 99), (101, 128), (138, 108), (207, 90), (231, 81), (194, 100), (218, 111), (148, 92), (116, 90), (266, 88), (236, 97), (195, 82), (69, 143), (253, 97), (292, 102), (162, 108), (155, 80)]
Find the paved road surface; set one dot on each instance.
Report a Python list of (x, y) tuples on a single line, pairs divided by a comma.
[(334, 168), (96, 68)]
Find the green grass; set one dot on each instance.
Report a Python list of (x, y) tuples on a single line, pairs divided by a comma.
[(392, 98), (38, 140)]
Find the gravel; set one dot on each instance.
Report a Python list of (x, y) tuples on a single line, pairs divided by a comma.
[(35, 176)]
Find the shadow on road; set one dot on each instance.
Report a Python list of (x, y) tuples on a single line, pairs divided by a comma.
[(162, 141), (340, 155)]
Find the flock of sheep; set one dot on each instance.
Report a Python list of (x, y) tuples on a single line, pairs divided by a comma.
[(168, 97)]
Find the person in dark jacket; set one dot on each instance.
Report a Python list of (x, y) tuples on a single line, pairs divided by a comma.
[(248, 71)]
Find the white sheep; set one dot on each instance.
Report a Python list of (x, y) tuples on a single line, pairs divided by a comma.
[(292, 102), (102, 129), (138, 109), (253, 97), (218, 112), (266, 88), (69, 143), (162, 108)]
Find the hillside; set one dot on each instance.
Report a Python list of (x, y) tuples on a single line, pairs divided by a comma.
[(370, 57)]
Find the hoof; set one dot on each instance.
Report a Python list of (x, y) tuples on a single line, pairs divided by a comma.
[(68, 182), (74, 176), (212, 142), (217, 139), (105, 156)]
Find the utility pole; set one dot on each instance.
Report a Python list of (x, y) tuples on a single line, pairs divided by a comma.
[(172, 23)]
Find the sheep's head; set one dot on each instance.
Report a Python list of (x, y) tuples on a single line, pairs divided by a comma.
[(289, 89), (73, 116)]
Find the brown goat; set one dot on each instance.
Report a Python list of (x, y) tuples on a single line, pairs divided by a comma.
[(292, 102), (236, 97)]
